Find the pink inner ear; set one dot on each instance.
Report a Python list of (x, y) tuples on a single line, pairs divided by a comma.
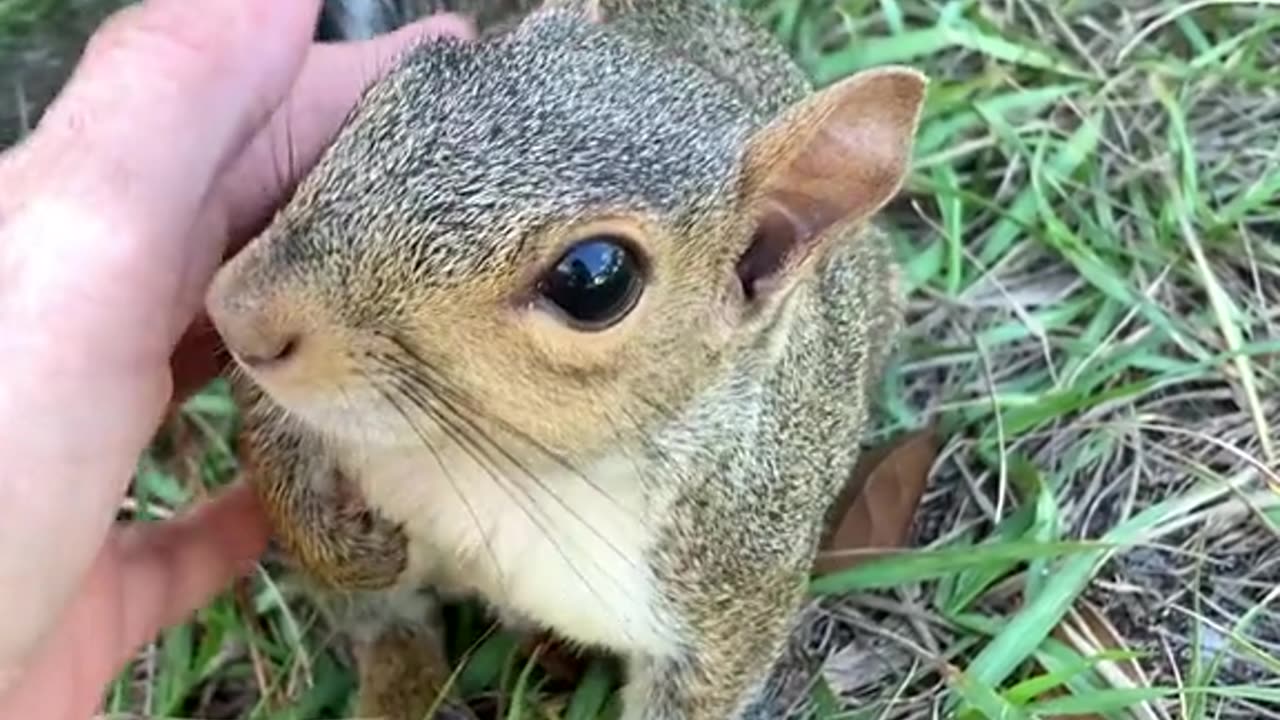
[(841, 171), (772, 247)]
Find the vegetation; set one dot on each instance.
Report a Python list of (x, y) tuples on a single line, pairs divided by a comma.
[(1090, 243)]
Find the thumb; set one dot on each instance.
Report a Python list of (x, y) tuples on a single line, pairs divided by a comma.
[(329, 84), (96, 210)]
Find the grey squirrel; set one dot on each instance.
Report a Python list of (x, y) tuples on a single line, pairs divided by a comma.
[(579, 319)]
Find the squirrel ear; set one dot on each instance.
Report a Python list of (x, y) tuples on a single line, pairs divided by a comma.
[(830, 162)]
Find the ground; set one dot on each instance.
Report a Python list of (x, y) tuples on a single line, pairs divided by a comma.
[(1090, 241)]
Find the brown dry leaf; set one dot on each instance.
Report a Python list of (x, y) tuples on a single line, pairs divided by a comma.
[(878, 505), (869, 662)]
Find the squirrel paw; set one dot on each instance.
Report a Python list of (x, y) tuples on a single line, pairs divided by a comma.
[(335, 537)]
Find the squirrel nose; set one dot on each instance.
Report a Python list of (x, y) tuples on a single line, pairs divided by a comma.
[(256, 336), (256, 341), (264, 349), (258, 319)]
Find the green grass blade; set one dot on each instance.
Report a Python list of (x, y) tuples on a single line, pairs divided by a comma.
[(916, 44), (486, 664), (1022, 211), (592, 693), (1033, 623), (982, 699), (914, 566), (944, 130)]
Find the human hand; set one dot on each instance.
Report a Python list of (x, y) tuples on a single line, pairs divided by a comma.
[(184, 126)]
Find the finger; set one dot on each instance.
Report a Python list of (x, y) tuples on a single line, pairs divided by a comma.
[(329, 85), (102, 197), (147, 578), (64, 678), (169, 569), (94, 212), (167, 93)]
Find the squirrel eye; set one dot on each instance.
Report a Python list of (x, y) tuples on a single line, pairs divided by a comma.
[(595, 283)]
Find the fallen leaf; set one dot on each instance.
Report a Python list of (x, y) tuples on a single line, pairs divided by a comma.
[(878, 505), (868, 662)]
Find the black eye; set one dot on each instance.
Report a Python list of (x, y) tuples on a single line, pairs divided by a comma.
[(595, 283)]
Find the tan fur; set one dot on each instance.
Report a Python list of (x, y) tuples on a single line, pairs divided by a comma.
[(656, 489)]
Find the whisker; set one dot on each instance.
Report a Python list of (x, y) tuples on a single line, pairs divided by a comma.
[(477, 453), (441, 388), (444, 468), (542, 485)]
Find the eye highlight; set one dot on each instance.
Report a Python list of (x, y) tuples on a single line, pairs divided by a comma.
[(595, 283)]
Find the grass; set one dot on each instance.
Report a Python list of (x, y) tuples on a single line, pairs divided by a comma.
[(1089, 239)]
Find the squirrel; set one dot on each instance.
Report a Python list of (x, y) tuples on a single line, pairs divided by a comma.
[(579, 318)]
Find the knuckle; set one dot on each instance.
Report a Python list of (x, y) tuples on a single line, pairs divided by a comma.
[(170, 38)]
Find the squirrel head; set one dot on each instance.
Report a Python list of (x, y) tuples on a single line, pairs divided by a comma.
[(562, 231)]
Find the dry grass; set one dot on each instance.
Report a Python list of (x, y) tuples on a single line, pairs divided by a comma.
[(1084, 269), (1091, 243)]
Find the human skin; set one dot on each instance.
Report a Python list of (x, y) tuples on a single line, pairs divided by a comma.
[(184, 126)]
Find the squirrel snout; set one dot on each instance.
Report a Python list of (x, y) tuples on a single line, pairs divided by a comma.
[(260, 350), (255, 333), (256, 339)]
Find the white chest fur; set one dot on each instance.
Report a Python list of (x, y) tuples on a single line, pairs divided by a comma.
[(563, 547)]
